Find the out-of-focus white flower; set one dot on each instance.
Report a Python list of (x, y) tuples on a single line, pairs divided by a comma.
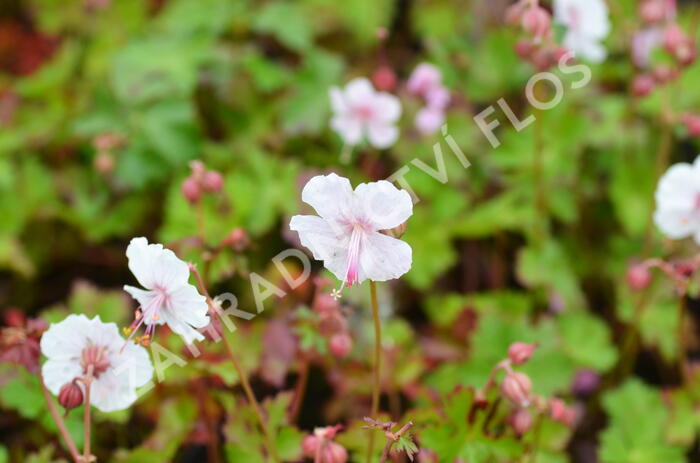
[(587, 24), (345, 235), (359, 111), (168, 298), (78, 344), (678, 201)]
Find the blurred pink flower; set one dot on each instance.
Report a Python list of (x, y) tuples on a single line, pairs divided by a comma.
[(587, 24), (678, 201), (423, 78), (168, 298), (360, 111), (346, 236), (77, 343), (643, 44), (428, 120)]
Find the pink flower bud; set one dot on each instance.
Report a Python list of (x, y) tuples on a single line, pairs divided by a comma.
[(652, 11), (524, 49), (384, 79), (237, 239), (198, 170), (514, 14), (309, 446), (673, 37), (520, 421), (424, 77), (664, 74), (692, 124), (334, 453), (517, 388), (643, 85), (190, 190), (340, 344), (536, 21), (104, 162), (325, 303), (638, 277), (437, 97), (520, 352), (70, 396), (212, 182), (561, 413)]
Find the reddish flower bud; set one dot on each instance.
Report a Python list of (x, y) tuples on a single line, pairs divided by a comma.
[(692, 124), (190, 190), (586, 383), (673, 37), (237, 239), (638, 277), (643, 85), (561, 413), (520, 421), (536, 21), (384, 79), (524, 48), (520, 352), (664, 74), (70, 396), (340, 344), (212, 182), (517, 388), (652, 11), (325, 303), (514, 14), (334, 453)]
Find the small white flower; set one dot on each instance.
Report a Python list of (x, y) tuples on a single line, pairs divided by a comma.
[(678, 201), (587, 24), (76, 343), (168, 298), (359, 111), (346, 235)]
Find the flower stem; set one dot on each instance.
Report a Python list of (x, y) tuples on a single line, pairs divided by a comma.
[(300, 388), (87, 382), (60, 424), (377, 363), (681, 338), (239, 370), (392, 438)]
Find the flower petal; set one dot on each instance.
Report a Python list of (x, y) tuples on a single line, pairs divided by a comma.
[(383, 205), (387, 108), (153, 265), (383, 258), (349, 128), (359, 90), (331, 196), (325, 243), (337, 100), (382, 136)]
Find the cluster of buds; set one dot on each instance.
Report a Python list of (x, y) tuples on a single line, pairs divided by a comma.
[(679, 271), (660, 29), (201, 181), (321, 448), (425, 82), (537, 47), (104, 145), (332, 323), (19, 340), (237, 239)]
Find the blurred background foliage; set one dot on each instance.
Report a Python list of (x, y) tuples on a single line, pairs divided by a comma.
[(242, 85)]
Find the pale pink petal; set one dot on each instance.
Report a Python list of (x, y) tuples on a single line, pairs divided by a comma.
[(326, 244), (337, 101), (387, 108), (359, 90), (423, 77), (383, 205), (438, 97), (429, 120), (383, 258), (348, 127), (189, 306), (152, 265), (382, 136), (330, 195)]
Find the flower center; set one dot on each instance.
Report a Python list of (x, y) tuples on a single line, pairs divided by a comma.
[(95, 357), (353, 260), (150, 315), (363, 112)]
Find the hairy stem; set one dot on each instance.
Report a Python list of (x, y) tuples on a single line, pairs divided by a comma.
[(300, 388), (87, 420), (377, 363), (60, 424)]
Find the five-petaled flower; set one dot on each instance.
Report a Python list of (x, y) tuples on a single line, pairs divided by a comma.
[(169, 297), (678, 201), (346, 236), (79, 346), (587, 24), (360, 111)]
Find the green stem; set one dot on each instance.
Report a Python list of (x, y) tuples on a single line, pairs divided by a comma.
[(377, 363)]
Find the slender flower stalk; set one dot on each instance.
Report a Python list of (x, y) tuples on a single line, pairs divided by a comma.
[(60, 424), (377, 363), (87, 420), (239, 370)]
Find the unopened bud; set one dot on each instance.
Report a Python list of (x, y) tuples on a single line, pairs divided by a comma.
[(638, 277), (237, 239), (520, 421), (536, 21), (104, 162), (652, 11), (340, 344), (520, 352), (309, 446), (664, 74), (384, 79), (70, 396), (212, 182), (586, 383), (517, 388), (334, 453), (692, 124), (524, 48), (643, 85), (190, 190), (561, 413)]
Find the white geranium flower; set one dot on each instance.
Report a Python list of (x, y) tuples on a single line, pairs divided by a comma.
[(168, 298), (345, 235), (678, 201), (587, 24), (359, 111), (76, 343)]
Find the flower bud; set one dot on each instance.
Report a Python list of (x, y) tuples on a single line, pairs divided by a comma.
[(664, 74), (384, 79), (334, 453), (104, 162), (517, 388), (561, 413), (673, 37), (524, 48), (396, 232), (520, 352), (536, 21), (652, 11), (237, 239), (643, 85), (309, 446), (586, 383), (520, 421), (514, 14), (70, 396), (340, 344), (692, 124), (638, 277), (212, 182), (190, 190)]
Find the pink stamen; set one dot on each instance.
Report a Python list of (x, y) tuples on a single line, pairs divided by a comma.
[(149, 315), (353, 262)]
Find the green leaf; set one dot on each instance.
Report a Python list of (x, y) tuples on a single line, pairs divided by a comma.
[(587, 340)]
